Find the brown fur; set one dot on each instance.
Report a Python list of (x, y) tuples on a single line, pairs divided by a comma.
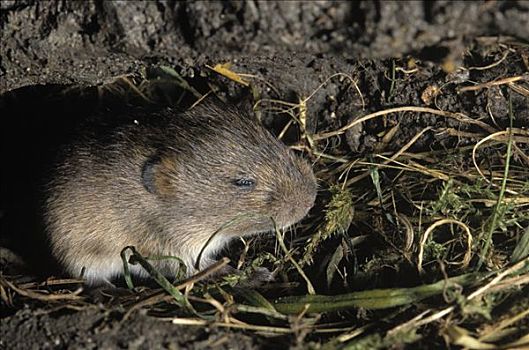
[(166, 184)]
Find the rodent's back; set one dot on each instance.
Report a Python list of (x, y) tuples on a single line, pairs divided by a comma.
[(165, 183)]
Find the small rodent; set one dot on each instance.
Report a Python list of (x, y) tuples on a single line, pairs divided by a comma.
[(165, 183)]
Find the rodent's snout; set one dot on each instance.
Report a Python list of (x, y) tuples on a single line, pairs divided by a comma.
[(299, 193), (298, 210)]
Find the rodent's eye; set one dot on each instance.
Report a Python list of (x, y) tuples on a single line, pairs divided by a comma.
[(244, 183)]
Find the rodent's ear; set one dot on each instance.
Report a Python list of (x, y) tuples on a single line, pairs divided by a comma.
[(155, 175), (147, 173)]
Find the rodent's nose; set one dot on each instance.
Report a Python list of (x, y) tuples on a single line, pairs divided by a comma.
[(293, 214), (296, 207), (297, 193)]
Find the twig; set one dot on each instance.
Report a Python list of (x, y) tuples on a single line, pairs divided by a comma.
[(42, 297), (458, 116), (491, 83), (468, 254)]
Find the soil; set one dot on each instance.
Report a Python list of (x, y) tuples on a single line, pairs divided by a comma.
[(99, 328), (62, 60)]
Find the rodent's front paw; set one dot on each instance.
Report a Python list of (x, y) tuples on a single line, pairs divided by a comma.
[(259, 276), (262, 274), (249, 278)]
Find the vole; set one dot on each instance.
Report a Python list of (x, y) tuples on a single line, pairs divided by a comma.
[(165, 183)]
